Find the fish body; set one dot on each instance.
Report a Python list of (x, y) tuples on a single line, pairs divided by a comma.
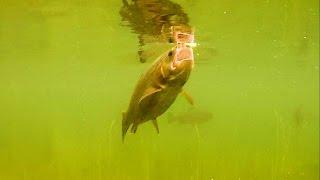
[(158, 87)]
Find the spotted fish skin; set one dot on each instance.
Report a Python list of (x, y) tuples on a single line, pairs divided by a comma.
[(158, 88)]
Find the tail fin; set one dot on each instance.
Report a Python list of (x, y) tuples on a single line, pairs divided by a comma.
[(125, 125)]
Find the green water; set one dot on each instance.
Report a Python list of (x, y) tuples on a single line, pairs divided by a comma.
[(68, 68)]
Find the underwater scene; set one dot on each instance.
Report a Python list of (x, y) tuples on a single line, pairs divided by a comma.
[(159, 90)]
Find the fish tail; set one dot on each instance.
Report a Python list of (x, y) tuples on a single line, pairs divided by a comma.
[(125, 125)]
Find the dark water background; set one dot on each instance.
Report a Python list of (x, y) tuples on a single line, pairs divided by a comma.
[(68, 68)]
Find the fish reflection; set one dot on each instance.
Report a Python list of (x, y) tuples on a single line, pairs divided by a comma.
[(155, 21), (299, 116)]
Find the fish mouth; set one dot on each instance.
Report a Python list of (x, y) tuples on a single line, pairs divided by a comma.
[(184, 53)]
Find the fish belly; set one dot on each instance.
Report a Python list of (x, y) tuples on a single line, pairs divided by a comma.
[(160, 103)]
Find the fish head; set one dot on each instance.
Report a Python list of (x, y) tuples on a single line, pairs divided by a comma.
[(177, 65), (181, 58)]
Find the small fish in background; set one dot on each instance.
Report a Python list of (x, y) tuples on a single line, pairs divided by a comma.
[(155, 21), (158, 88), (194, 116), (299, 116)]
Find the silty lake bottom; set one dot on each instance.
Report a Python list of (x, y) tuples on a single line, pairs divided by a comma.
[(68, 69)]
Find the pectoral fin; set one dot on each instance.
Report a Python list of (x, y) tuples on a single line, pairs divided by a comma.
[(187, 96), (147, 97), (155, 124)]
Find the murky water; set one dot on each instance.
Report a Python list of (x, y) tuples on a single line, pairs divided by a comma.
[(68, 69)]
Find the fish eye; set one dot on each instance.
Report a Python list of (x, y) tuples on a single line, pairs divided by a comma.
[(170, 53), (170, 40)]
